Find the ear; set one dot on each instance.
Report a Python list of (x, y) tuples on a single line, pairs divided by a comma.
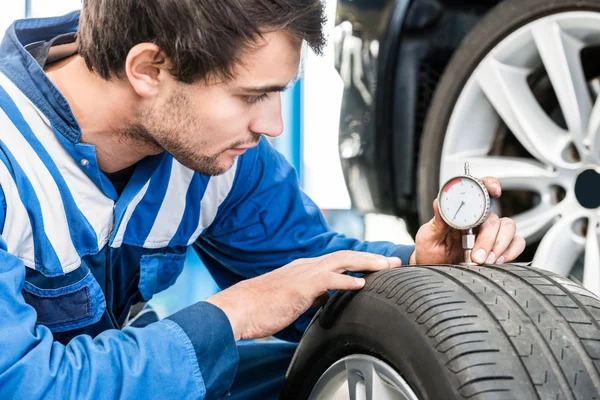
[(147, 69)]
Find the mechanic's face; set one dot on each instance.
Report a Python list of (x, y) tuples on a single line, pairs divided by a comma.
[(205, 127)]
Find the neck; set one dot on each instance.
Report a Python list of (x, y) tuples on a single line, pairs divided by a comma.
[(102, 111)]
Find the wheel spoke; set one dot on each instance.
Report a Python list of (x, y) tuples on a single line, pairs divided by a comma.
[(354, 379), (591, 270), (560, 247), (593, 136), (374, 386), (361, 377), (534, 223), (507, 89), (561, 55), (514, 173)]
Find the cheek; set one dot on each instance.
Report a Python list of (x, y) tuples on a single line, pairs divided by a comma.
[(230, 121)]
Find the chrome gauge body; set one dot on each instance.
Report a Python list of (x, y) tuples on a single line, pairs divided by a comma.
[(464, 202)]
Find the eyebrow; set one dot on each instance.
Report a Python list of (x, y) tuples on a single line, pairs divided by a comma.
[(264, 89)]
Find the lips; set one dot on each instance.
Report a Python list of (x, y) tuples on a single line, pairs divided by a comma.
[(245, 147), (238, 151)]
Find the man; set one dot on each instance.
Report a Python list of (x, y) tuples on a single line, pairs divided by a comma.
[(132, 131)]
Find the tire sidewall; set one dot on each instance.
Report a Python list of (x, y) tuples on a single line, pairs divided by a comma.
[(373, 327)]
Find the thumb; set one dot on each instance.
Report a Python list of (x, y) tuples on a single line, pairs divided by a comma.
[(438, 224)]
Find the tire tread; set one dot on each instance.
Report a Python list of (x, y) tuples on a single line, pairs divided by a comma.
[(488, 315)]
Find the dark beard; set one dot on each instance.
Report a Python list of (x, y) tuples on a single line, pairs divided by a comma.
[(203, 164), (156, 137), (137, 133)]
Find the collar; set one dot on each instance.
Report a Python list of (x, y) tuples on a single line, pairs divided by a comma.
[(22, 68), (60, 47)]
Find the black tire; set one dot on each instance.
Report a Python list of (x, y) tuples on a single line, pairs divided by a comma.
[(494, 332), (503, 20)]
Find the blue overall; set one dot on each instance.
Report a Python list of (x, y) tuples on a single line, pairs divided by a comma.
[(76, 255)]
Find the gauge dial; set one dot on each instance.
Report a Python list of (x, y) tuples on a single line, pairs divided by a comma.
[(464, 202)]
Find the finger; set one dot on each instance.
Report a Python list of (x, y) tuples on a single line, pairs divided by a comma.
[(337, 281), (438, 221), (493, 186), (513, 251), (356, 261), (486, 238), (507, 231)]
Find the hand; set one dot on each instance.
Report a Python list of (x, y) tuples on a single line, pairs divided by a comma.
[(438, 243), (264, 305)]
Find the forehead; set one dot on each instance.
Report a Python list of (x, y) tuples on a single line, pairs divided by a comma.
[(275, 61)]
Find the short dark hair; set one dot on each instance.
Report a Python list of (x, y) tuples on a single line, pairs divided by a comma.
[(201, 38)]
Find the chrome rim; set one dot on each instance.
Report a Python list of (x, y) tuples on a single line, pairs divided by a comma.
[(499, 93), (361, 377)]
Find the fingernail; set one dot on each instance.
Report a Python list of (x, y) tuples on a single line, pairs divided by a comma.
[(479, 255), (491, 258), (500, 260), (497, 187), (360, 281)]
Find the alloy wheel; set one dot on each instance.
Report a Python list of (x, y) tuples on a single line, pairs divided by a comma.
[(562, 165), (361, 377)]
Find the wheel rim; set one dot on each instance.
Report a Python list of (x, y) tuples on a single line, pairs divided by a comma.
[(497, 93), (361, 377)]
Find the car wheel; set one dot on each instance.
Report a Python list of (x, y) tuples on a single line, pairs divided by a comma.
[(517, 102), (449, 332)]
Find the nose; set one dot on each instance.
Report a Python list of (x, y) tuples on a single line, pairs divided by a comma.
[(268, 120)]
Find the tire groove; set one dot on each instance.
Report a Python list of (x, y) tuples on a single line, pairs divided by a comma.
[(414, 287), (492, 316), (568, 293), (450, 327), (399, 286), (466, 353), (420, 297), (546, 349), (446, 319), (487, 378), (459, 334), (460, 344), (438, 305), (581, 350), (402, 279), (386, 282), (391, 274), (472, 366), (489, 391), (435, 298)]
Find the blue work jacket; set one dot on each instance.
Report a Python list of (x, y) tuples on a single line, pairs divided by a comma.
[(75, 256)]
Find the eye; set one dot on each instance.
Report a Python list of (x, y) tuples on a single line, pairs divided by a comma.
[(255, 99)]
